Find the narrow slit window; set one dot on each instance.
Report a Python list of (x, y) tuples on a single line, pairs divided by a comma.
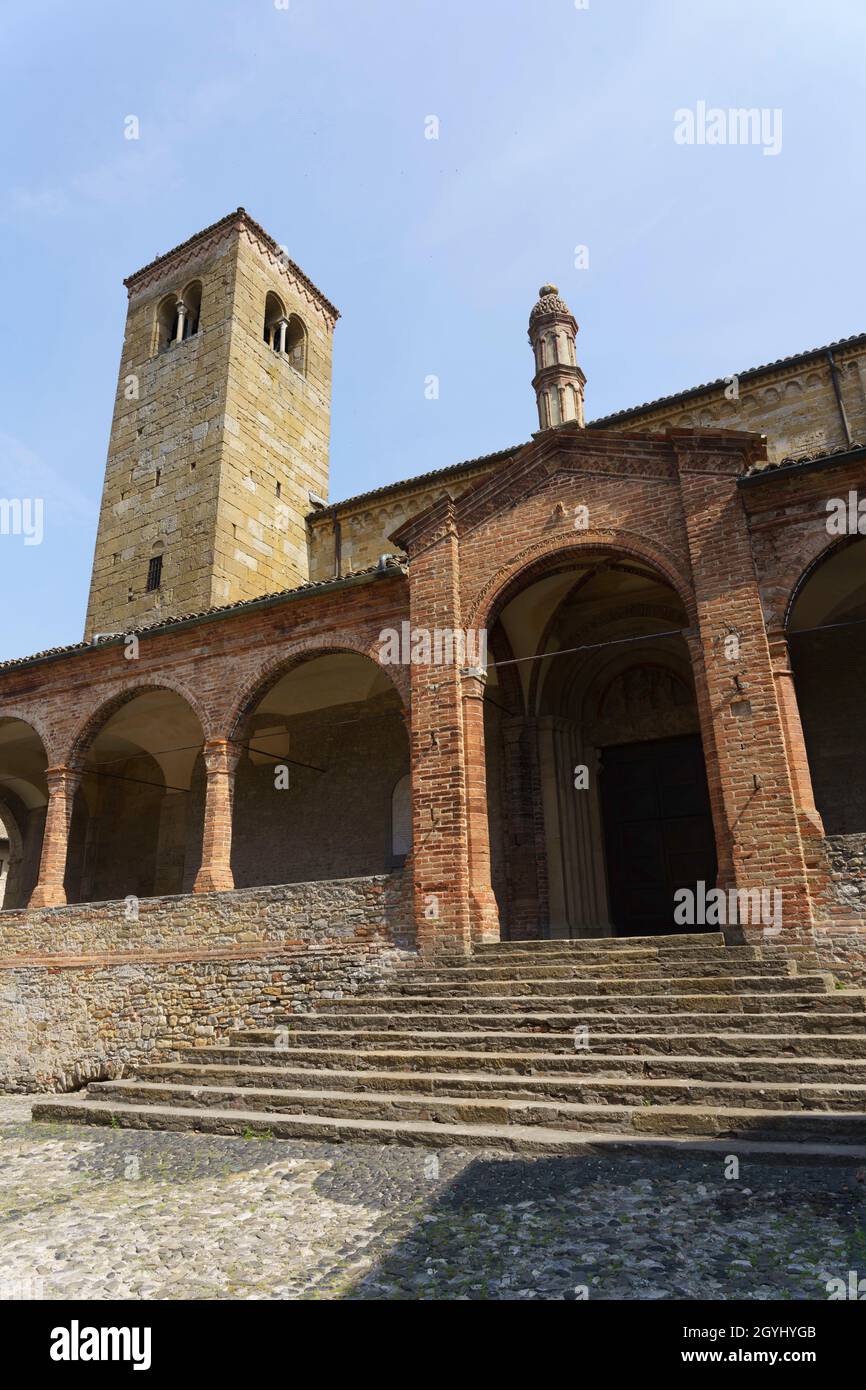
[(154, 573)]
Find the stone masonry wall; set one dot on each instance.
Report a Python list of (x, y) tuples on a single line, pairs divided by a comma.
[(84, 991)]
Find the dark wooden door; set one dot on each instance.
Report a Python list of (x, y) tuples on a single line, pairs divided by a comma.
[(658, 831)]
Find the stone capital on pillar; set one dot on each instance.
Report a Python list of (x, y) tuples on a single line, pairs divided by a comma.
[(62, 785), (220, 759)]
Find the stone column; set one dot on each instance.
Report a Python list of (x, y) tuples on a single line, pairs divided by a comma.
[(484, 911), (220, 760), (181, 321), (62, 786), (789, 708), (282, 326)]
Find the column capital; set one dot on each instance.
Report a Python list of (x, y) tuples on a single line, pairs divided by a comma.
[(474, 682)]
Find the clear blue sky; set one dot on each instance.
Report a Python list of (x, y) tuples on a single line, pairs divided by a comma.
[(556, 131)]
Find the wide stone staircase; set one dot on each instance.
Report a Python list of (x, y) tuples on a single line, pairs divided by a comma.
[(544, 1047)]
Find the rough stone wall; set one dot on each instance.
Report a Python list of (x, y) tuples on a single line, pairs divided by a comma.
[(277, 435), (216, 441), (63, 1025), (86, 989), (794, 405), (365, 527), (362, 909), (162, 472)]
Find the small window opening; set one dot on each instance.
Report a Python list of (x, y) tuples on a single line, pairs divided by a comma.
[(154, 573)]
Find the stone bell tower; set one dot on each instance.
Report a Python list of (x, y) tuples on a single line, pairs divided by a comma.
[(558, 382), (220, 432)]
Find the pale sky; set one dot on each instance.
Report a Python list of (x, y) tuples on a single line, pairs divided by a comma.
[(556, 130)]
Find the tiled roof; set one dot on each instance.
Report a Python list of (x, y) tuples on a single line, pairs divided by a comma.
[(856, 340), (452, 470), (792, 462), (260, 231), (395, 565)]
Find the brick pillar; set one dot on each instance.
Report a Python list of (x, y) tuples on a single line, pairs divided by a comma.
[(440, 820), (795, 744), (744, 735), (484, 923), (220, 760), (62, 786)]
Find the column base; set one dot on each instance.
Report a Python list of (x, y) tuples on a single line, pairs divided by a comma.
[(484, 913), (48, 895), (214, 881)]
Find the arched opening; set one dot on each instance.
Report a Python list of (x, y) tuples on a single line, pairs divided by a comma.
[(323, 746), (23, 803), (826, 631), (597, 792), (138, 812), (166, 322), (296, 344), (192, 304), (274, 313)]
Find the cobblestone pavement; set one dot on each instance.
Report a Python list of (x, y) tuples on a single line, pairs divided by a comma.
[(112, 1213)]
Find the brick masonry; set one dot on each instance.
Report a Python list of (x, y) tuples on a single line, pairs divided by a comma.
[(213, 462)]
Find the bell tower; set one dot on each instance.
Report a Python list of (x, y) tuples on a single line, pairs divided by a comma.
[(220, 431), (558, 382)]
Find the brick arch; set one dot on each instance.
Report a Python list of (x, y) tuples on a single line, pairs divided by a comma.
[(554, 553), (49, 741), (823, 553), (307, 649), (108, 705)]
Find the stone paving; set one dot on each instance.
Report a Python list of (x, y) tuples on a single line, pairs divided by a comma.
[(115, 1213)]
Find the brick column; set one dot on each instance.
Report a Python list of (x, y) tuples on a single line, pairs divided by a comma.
[(744, 735), (795, 744), (440, 829), (220, 759), (484, 911), (62, 786)]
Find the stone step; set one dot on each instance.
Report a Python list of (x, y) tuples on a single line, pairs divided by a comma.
[(575, 1067), (632, 1023), (643, 984), (847, 1002), (511, 958), (471, 974), (842, 1134), (513, 1069), (741, 1044), (678, 940)]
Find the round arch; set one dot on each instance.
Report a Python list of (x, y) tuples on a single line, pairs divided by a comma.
[(307, 649), (560, 552), (138, 807), (109, 704), (321, 741)]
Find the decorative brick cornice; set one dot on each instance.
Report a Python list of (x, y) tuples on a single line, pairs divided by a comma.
[(209, 239)]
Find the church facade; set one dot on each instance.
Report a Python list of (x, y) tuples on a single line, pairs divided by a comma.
[(608, 681)]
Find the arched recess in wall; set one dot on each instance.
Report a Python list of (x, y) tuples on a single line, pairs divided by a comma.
[(192, 305), (597, 783), (138, 812), (275, 311), (323, 744), (826, 630), (23, 802), (166, 322)]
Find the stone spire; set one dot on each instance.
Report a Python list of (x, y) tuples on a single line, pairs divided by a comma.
[(558, 382)]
